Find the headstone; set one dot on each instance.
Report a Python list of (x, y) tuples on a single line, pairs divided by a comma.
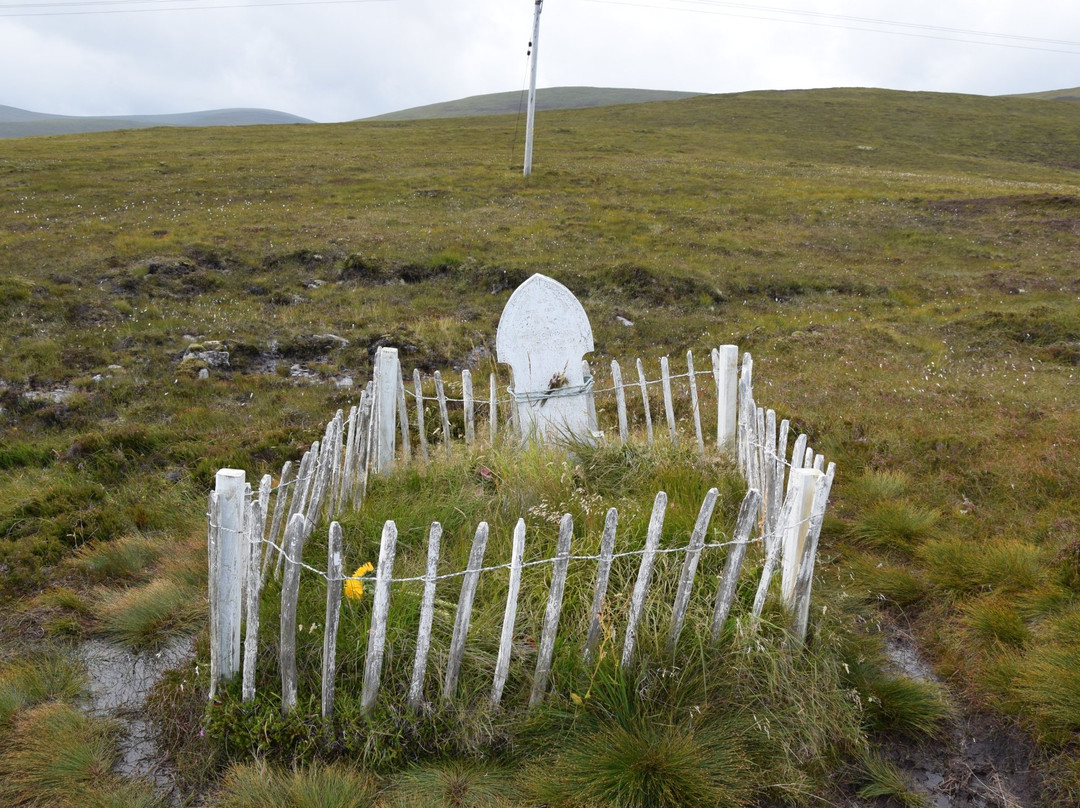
[(543, 335)]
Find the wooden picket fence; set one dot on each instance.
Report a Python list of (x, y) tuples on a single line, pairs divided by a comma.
[(248, 540)]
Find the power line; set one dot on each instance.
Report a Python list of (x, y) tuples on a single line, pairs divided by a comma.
[(867, 20), (158, 9)]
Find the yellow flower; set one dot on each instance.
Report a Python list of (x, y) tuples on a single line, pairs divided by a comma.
[(354, 588)]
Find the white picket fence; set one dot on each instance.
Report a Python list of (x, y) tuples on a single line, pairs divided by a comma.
[(248, 541)]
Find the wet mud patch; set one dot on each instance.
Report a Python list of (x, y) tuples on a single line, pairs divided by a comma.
[(977, 761), (119, 681)]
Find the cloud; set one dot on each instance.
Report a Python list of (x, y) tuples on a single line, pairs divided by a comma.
[(348, 60)]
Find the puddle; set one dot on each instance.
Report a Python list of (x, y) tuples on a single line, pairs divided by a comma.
[(119, 683)]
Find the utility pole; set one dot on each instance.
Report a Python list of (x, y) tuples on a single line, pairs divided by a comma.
[(534, 46)]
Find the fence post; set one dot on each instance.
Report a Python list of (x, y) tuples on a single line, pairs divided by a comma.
[(467, 400), (386, 374), (725, 361), (427, 614), (464, 610), (440, 394), (689, 568), (806, 567), (403, 418), (334, 576), (553, 610), (506, 639), (641, 586), (620, 400), (795, 535), (729, 579), (380, 610), (669, 407), (645, 399), (746, 419), (421, 427), (257, 516), (493, 410), (227, 565), (290, 590), (590, 399), (603, 571), (694, 403), (285, 482)]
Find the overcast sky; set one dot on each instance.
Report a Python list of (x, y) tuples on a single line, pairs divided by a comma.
[(336, 61)]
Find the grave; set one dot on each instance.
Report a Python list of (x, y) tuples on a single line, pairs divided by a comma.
[(543, 335)]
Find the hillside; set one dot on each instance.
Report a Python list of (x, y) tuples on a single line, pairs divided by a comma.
[(902, 267), (546, 99), (1054, 95), (16, 122)]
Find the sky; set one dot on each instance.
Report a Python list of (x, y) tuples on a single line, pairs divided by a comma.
[(339, 60)]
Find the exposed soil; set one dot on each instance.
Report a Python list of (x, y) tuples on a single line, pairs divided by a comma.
[(979, 761), (119, 683)]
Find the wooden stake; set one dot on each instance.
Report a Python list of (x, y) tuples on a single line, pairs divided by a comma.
[(641, 586), (553, 610), (467, 396), (694, 403), (645, 400), (603, 571), (689, 568), (334, 575), (440, 393), (502, 664), (380, 610), (620, 400), (421, 428), (427, 612), (464, 611), (725, 595), (669, 409)]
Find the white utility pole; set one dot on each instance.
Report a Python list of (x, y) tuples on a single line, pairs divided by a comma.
[(534, 46)]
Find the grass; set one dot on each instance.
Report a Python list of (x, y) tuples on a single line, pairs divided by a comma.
[(912, 306), (260, 786), (45, 676), (884, 780), (58, 756)]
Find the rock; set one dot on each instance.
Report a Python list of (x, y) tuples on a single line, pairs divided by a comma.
[(208, 355), (204, 373), (624, 321)]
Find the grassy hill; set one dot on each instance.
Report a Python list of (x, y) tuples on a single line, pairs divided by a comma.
[(1072, 94), (903, 267), (546, 99), (16, 122)]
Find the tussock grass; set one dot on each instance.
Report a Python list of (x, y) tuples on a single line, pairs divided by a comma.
[(884, 781), (149, 616), (258, 785), (640, 763), (58, 756), (452, 784), (123, 558), (31, 680), (959, 566), (993, 620), (895, 526)]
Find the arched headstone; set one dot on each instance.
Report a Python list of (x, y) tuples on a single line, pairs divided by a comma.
[(543, 335)]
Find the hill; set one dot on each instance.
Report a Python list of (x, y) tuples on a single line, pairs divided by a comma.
[(1072, 94), (546, 99), (16, 122)]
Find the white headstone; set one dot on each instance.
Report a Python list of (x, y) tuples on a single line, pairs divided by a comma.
[(543, 335)]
